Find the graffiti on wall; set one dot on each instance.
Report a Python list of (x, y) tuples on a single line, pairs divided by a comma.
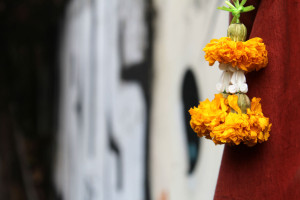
[(128, 78)]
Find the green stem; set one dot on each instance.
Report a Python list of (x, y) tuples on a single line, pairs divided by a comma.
[(236, 9)]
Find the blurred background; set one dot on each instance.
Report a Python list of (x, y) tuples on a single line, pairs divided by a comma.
[(95, 97)]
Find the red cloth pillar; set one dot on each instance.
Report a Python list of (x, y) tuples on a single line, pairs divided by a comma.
[(270, 170)]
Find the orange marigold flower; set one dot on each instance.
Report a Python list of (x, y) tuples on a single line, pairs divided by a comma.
[(208, 115), (213, 120), (248, 56)]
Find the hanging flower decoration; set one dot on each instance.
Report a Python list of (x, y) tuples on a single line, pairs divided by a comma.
[(231, 118), (248, 56)]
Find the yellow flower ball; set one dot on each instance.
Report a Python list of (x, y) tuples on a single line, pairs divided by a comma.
[(213, 120), (248, 56)]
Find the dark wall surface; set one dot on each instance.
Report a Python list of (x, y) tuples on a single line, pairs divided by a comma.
[(28, 95)]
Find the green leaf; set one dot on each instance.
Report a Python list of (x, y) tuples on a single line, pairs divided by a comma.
[(236, 3), (236, 9), (230, 5), (225, 8), (248, 8), (243, 2), (234, 20)]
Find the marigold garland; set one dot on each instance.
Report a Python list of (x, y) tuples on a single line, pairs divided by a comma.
[(248, 56), (214, 120), (230, 118)]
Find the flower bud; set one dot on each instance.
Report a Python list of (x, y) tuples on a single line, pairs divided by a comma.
[(237, 32), (232, 89), (243, 102), (244, 88)]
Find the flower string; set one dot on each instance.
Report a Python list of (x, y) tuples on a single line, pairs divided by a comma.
[(231, 118)]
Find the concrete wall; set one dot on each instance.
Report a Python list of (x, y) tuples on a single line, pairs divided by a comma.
[(130, 70)]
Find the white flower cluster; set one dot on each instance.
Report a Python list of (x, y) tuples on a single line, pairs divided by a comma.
[(232, 80)]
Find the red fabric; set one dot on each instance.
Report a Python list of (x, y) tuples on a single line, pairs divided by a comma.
[(270, 170)]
